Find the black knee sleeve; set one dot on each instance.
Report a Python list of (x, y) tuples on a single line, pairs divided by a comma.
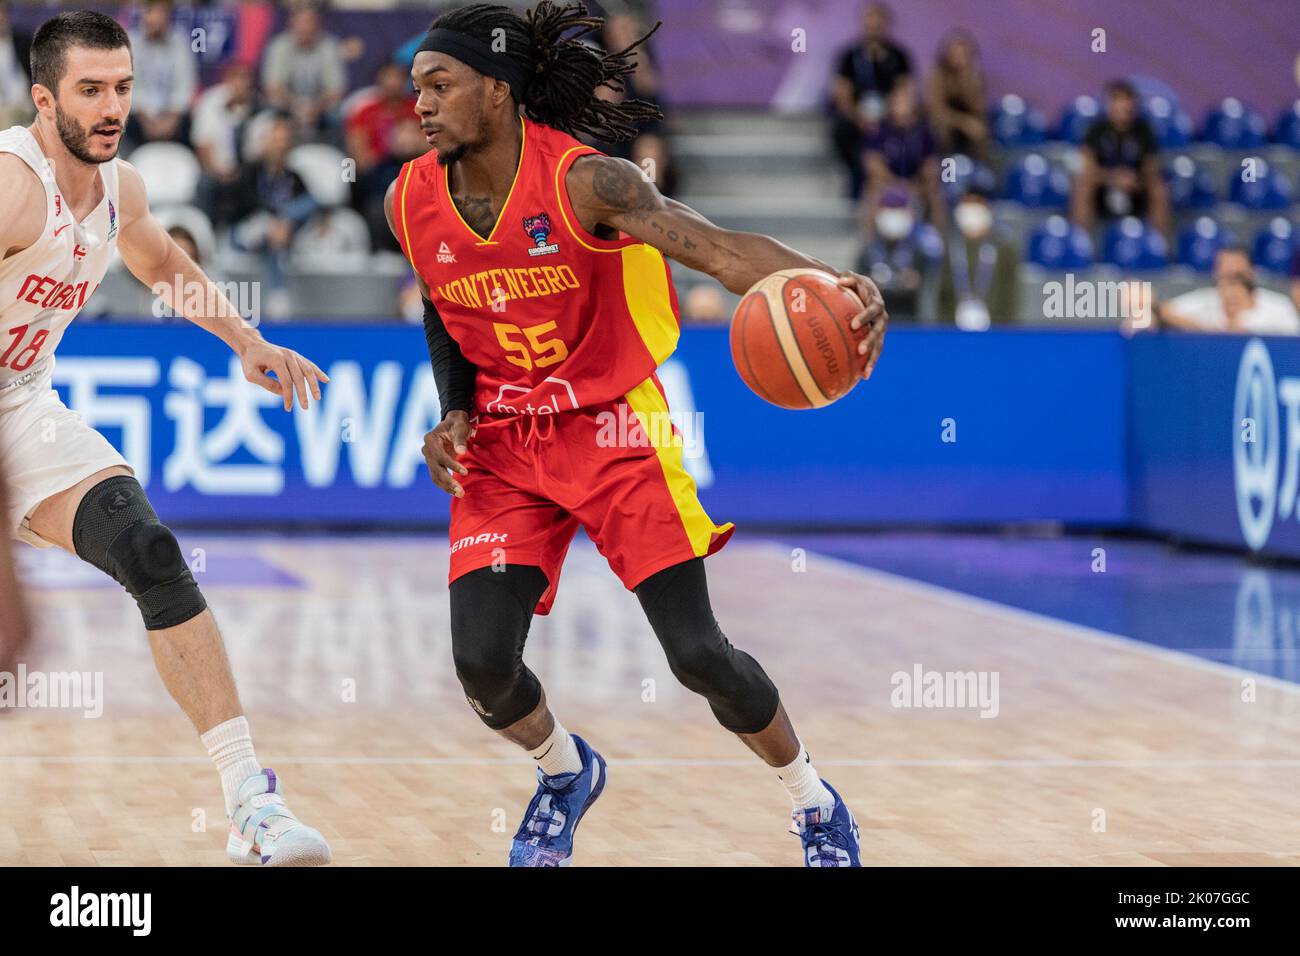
[(490, 614), (676, 601), (117, 531)]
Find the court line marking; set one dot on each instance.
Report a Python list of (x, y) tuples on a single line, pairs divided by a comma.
[(1030, 763), (935, 592)]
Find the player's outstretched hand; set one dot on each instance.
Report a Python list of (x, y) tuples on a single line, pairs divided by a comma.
[(873, 317), (443, 446), (292, 373)]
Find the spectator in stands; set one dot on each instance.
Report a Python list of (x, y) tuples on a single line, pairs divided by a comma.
[(1121, 166), (1234, 304), (217, 130), (303, 72), (978, 284), (649, 148), (901, 153), (166, 77), (956, 97), (273, 204), (866, 75), (381, 133), (901, 256), (15, 84)]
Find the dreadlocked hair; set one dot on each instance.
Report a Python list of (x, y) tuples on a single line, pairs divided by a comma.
[(564, 71)]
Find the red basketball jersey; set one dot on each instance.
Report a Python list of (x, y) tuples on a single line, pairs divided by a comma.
[(553, 317)]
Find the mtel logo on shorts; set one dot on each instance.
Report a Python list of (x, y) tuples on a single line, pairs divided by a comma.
[(1258, 444)]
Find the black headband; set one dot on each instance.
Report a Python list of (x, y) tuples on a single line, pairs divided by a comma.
[(479, 55)]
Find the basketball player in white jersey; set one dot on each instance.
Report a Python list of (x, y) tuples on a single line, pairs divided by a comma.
[(66, 203), (15, 629)]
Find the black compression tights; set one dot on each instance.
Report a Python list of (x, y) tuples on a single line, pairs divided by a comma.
[(491, 611)]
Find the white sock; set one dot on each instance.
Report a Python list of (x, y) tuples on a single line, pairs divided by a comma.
[(230, 745), (558, 753), (802, 783)]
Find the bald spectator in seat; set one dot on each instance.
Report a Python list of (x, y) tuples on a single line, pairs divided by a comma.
[(1234, 305), (303, 72), (166, 77), (1121, 166)]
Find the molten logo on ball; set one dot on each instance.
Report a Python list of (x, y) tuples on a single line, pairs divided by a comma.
[(792, 342)]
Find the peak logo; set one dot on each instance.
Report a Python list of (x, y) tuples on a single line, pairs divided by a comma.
[(1265, 443)]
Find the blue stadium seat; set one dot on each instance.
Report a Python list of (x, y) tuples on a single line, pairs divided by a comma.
[(1276, 246), (1287, 129), (1060, 244), (1133, 245), (1078, 116), (1034, 182), (966, 173), (1268, 189), (1016, 123), (1233, 125), (1200, 242), (1190, 186), (1170, 123)]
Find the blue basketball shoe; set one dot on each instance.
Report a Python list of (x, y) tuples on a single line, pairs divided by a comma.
[(545, 838), (829, 834)]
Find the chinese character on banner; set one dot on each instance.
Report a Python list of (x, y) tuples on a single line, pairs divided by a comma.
[(113, 409), (197, 458)]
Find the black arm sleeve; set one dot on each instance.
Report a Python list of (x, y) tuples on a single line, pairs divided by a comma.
[(452, 372)]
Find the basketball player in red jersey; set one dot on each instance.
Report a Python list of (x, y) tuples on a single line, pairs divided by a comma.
[(548, 303)]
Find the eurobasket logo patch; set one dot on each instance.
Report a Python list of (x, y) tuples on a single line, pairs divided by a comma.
[(539, 230), (112, 220)]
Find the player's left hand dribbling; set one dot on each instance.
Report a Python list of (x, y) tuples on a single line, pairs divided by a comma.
[(873, 318), (293, 373)]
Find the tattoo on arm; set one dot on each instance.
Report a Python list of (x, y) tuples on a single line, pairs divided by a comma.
[(619, 196), (616, 184)]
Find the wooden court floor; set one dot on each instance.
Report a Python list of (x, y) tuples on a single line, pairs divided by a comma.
[(1100, 751)]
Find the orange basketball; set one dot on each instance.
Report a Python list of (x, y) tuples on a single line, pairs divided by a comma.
[(791, 340)]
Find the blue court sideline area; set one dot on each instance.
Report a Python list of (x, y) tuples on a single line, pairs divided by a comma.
[(1215, 606)]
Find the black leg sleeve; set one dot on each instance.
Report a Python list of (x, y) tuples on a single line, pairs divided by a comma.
[(676, 601), (490, 614)]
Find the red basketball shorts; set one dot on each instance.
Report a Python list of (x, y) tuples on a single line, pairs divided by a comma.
[(614, 469)]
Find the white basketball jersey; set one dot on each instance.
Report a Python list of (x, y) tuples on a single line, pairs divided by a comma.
[(43, 287)]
